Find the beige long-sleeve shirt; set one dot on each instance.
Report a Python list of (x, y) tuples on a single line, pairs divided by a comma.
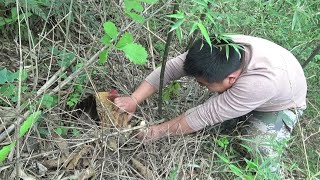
[(271, 80)]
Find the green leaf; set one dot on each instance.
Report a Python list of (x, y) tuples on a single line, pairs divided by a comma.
[(58, 131), (2, 22), (14, 14), (173, 174), (106, 40), (250, 165), (227, 52), (132, 4), (204, 32), (125, 39), (75, 132), (15, 75), (202, 3), (193, 28), (236, 170), (179, 34), (179, 15), (26, 125), (236, 47), (61, 131), (149, 1), (110, 29), (49, 101), (223, 158), (4, 76), (136, 17), (5, 151), (103, 56), (177, 24), (135, 53)]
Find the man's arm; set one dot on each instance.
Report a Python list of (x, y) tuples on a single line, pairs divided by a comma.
[(173, 70), (173, 127)]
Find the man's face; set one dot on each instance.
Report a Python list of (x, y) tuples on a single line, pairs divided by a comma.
[(219, 87)]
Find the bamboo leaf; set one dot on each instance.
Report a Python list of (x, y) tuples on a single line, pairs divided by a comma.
[(236, 170), (179, 15), (179, 34), (227, 52), (193, 28), (223, 158), (204, 32), (26, 125), (5, 151), (177, 24)]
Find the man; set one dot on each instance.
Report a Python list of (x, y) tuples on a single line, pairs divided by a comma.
[(266, 84)]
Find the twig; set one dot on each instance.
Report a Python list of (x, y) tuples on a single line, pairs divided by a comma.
[(77, 72), (313, 54), (151, 48), (164, 60), (19, 95)]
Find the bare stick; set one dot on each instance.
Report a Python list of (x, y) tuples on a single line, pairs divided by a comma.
[(19, 96), (313, 54), (164, 60)]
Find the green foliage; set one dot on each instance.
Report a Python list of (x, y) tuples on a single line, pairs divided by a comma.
[(133, 9), (61, 131), (27, 124), (9, 85), (64, 58), (172, 90), (136, 53), (173, 174), (110, 29), (125, 39), (103, 56), (4, 152), (7, 76), (24, 128), (49, 101)]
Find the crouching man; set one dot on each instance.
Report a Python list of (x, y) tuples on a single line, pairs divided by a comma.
[(265, 84)]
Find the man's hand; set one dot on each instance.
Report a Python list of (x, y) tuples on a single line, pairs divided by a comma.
[(126, 104), (173, 127)]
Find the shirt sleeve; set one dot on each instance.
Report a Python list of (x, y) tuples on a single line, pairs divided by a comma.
[(173, 71), (244, 96)]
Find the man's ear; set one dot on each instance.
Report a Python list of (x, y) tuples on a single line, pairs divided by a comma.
[(233, 77)]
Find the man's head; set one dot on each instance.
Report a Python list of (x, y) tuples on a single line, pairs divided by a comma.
[(210, 66)]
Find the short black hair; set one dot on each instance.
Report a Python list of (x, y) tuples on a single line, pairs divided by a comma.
[(209, 63)]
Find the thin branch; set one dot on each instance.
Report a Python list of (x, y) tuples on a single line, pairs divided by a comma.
[(164, 60), (313, 54), (19, 95)]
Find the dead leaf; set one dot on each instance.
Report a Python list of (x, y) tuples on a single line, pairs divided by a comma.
[(41, 169), (108, 115), (22, 175), (61, 142), (74, 159), (86, 174), (145, 172)]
